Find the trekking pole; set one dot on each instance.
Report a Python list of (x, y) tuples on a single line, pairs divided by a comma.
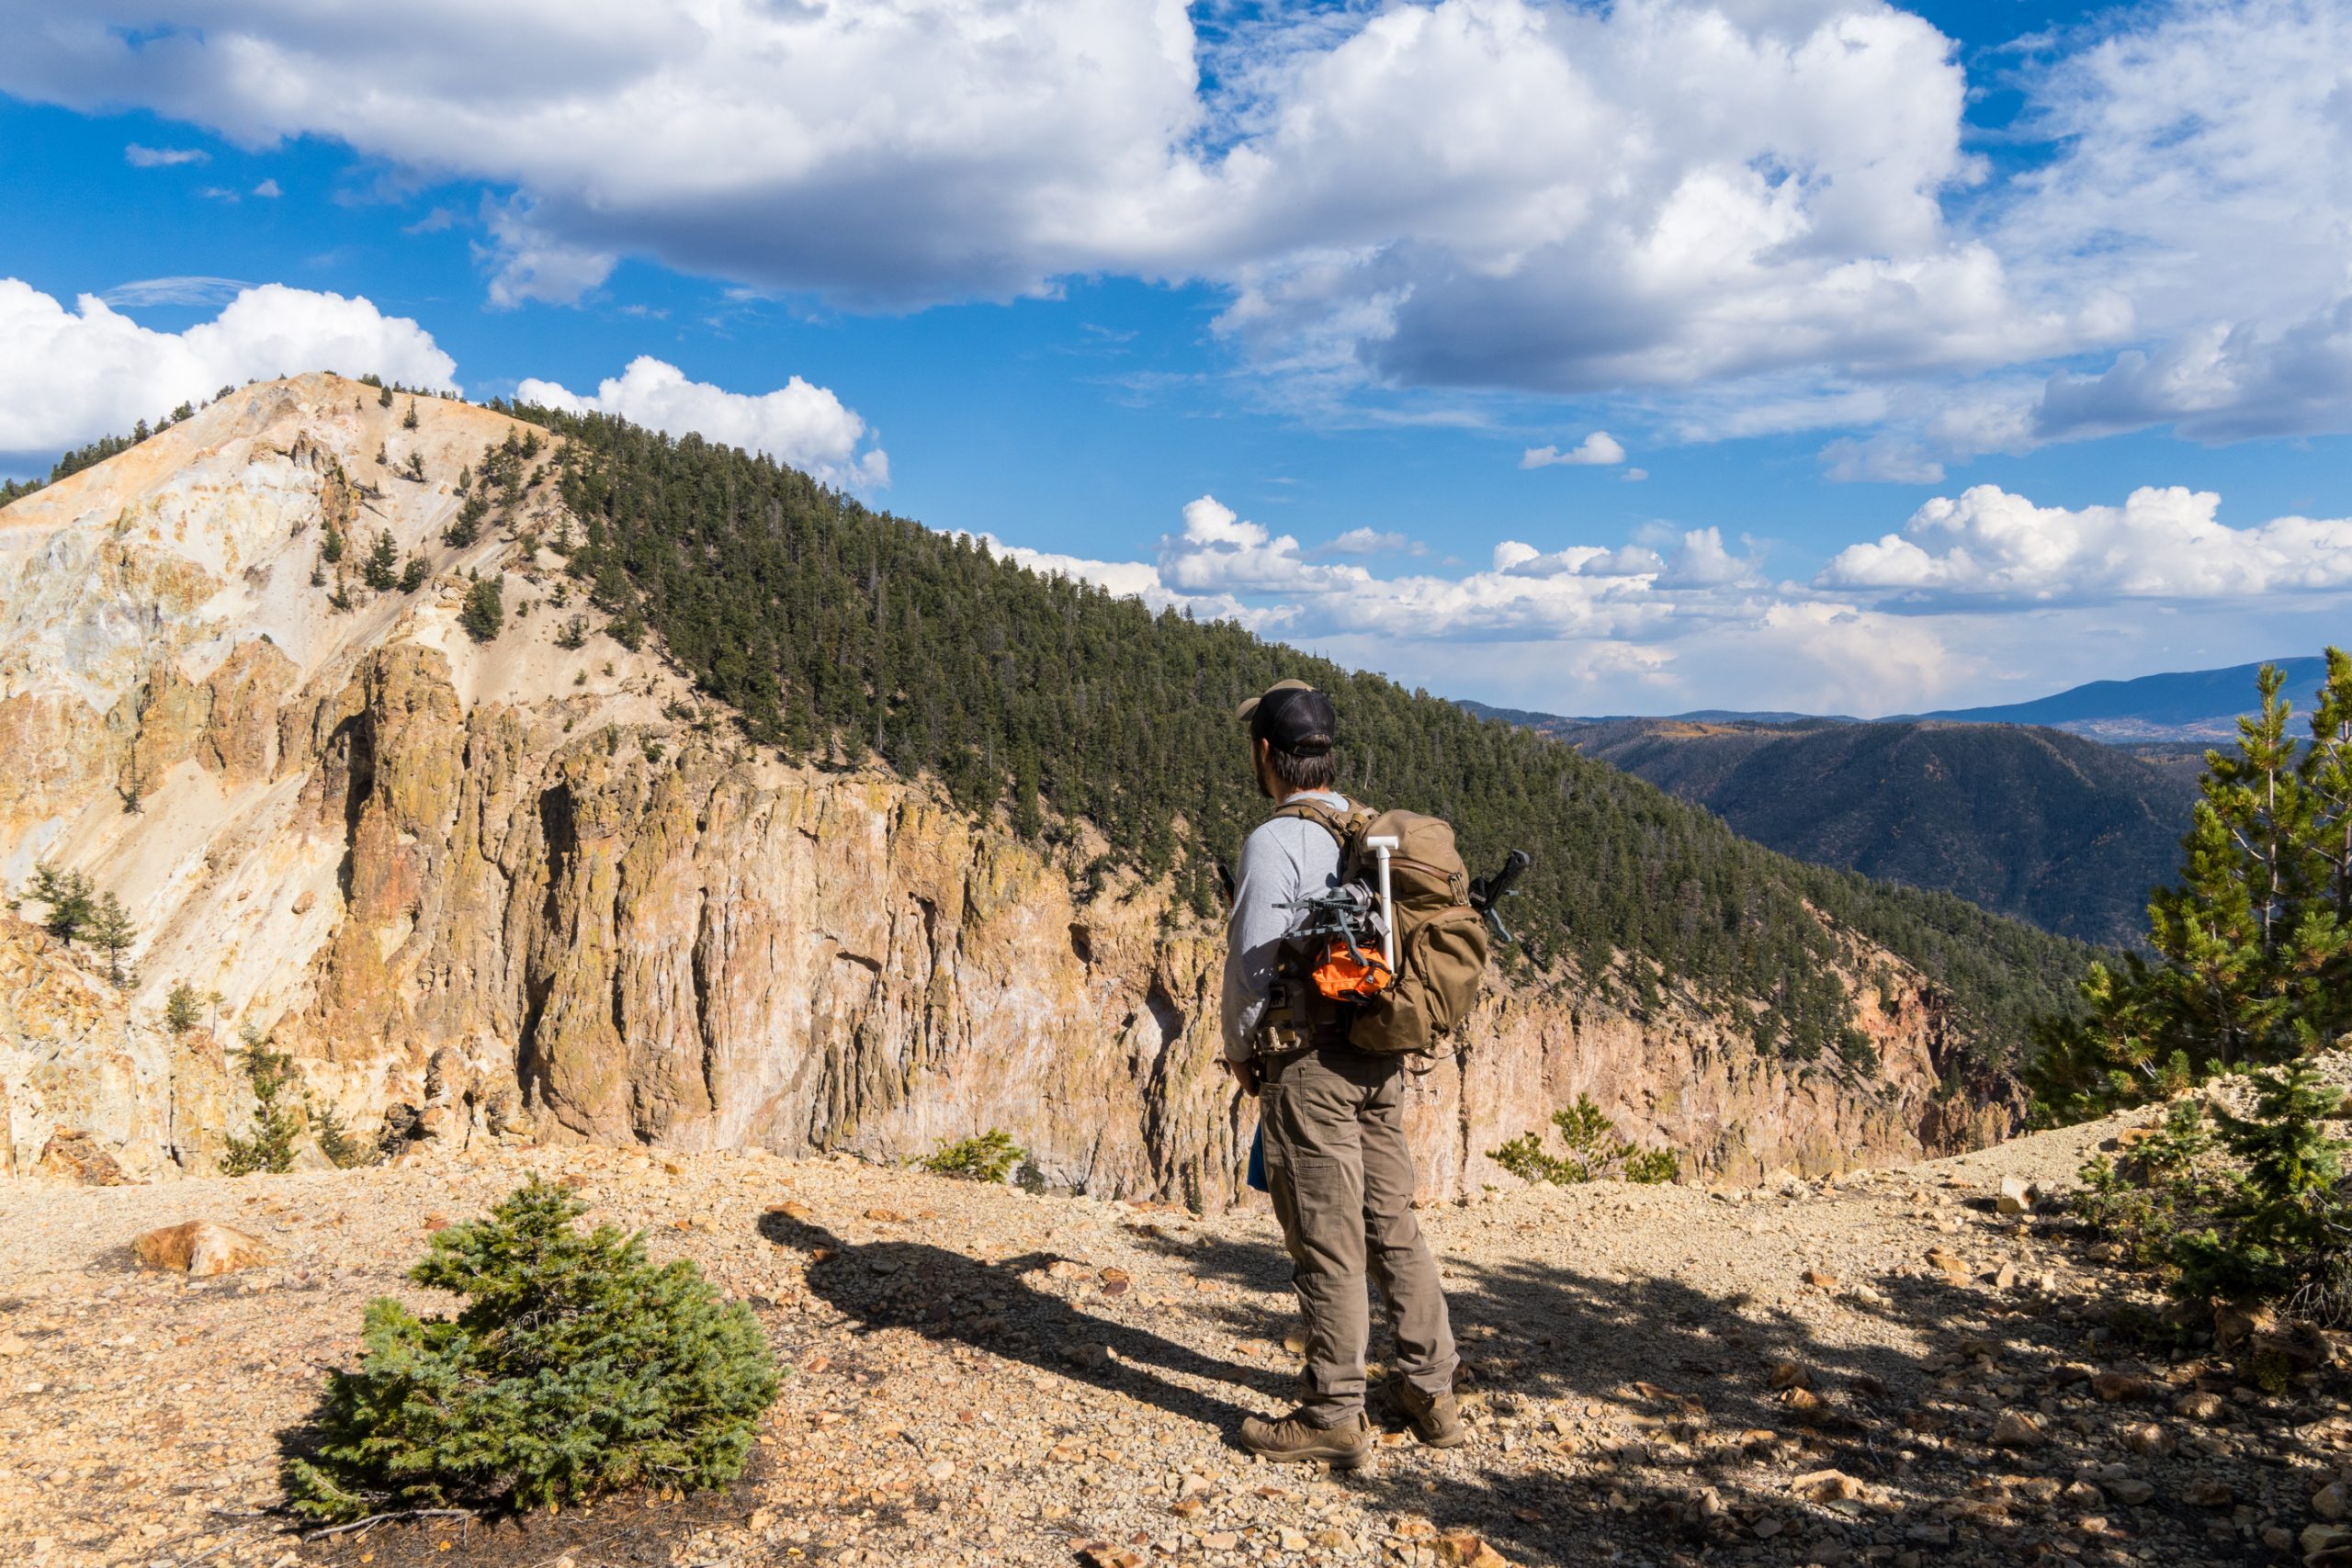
[(1380, 845)]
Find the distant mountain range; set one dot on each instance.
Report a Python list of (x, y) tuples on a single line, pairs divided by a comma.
[(2036, 823), (2190, 705), (2198, 705)]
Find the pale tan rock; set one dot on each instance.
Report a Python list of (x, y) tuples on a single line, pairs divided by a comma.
[(1827, 1487), (2017, 1196), (2319, 1538), (2018, 1429), (71, 1155), (2201, 1406), (201, 1248), (1463, 1549), (2116, 1387)]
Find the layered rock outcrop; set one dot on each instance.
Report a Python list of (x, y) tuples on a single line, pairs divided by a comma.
[(521, 889)]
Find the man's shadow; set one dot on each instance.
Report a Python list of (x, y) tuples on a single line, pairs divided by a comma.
[(947, 1296)]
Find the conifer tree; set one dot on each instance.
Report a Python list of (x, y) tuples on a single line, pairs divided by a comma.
[(574, 1366), (111, 932), (277, 1119), (68, 894), (483, 614), (382, 568), (2250, 964), (467, 526)]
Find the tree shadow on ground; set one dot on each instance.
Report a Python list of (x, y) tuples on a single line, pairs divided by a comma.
[(947, 1296), (1648, 1420)]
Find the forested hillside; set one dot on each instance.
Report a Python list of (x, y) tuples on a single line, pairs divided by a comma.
[(840, 632), (2051, 828)]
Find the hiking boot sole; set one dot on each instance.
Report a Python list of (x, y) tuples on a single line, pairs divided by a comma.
[(1338, 1459)]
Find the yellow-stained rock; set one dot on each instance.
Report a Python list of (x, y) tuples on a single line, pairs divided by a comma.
[(201, 1248)]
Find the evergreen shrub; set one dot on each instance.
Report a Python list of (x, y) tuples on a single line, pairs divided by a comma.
[(1594, 1151), (988, 1158), (574, 1367)]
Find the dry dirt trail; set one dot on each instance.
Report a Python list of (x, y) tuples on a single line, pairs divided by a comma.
[(981, 1376)]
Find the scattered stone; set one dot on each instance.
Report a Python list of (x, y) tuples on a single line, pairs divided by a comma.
[(2116, 1387), (2148, 1437), (1462, 1549), (2017, 1196), (2128, 1491), (2317, 1539), (73, 1155), (2328, 1501), (2209, 1493), (1827, 1487), (201, 1248), (2201, 1405), (2018, 1429), (2040, 1491)]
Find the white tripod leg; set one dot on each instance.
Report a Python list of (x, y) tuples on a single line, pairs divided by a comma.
[(1380, 846)]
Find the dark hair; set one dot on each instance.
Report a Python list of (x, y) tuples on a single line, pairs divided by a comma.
[(1318, 771)]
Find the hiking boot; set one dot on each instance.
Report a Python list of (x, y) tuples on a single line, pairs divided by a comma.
[(1436, 1418), (1295, 1439)]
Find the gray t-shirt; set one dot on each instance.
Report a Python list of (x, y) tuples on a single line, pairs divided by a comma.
[(1281, 861)]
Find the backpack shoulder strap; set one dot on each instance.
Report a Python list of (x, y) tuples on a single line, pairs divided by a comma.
[(1343, 826)]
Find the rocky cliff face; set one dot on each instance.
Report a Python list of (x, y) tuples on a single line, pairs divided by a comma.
[(517, 889)]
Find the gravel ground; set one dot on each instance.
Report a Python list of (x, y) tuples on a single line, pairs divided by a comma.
[(1657, 1375)]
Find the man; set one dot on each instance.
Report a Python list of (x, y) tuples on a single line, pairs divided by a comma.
[(1337, 1166)]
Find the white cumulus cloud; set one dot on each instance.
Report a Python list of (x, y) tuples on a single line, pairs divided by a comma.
[(1600, 448), (1493, 193), (140, 157), (1990, 546), (1368, 542), (68, 375), (803, 426)]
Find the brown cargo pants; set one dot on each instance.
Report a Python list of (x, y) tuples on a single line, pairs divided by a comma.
[(1342, 1185)]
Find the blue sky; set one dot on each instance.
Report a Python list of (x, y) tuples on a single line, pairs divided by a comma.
[(1271, 310)]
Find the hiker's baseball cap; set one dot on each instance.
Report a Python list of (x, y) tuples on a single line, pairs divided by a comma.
[(1293, 716)]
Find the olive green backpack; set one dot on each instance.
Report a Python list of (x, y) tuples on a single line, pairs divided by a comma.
[(1441, 938)]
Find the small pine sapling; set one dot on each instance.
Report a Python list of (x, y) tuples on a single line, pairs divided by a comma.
[(381, 569), (483, 614), (988, 1158), (182, 1009), (335, 1140), (574, 1367), (71, 903), (111, 932), (1594, 1150), (276, 1120)]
